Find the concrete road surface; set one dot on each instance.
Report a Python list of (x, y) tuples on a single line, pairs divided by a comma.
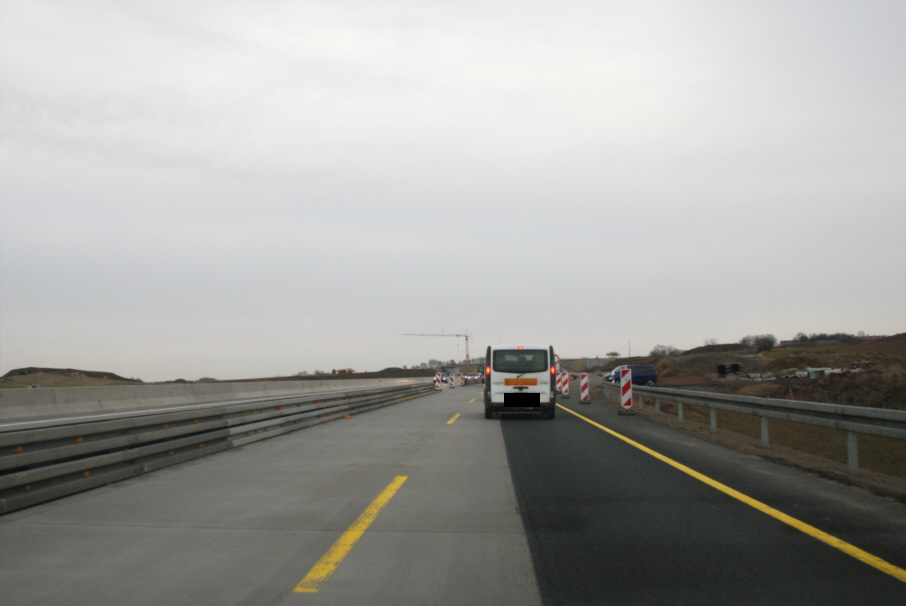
[(245, 526)]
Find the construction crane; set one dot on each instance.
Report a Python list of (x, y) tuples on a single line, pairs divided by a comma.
[(467, 335)]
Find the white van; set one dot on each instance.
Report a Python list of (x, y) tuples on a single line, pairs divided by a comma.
[(520, 378)]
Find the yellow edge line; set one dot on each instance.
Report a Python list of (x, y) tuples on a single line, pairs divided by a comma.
[(851, 550), (453, 420), (327, 565)]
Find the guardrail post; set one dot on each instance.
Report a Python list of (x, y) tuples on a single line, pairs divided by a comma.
[(765, 438), (852, 451), (713, 420), (657, 406), (641, 403), (679, 412)]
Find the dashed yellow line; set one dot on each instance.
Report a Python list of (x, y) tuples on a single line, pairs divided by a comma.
[(851, 550), (472, 400), (327, 565), (453, 420)]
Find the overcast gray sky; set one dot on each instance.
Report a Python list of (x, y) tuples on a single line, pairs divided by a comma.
[(244, 189)]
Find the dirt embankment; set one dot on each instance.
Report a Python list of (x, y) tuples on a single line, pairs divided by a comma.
[(53, 379), (873, 374)]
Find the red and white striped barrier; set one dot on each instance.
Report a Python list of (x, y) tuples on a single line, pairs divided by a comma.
[(451, 381), (437, 381), (583, 387), (626, 388), (462, 380), (566, 386), (559, 382)]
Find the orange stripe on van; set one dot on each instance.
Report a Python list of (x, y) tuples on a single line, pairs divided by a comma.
[(520, 381)]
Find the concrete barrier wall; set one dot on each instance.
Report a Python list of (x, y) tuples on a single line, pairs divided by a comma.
[(50, 402)]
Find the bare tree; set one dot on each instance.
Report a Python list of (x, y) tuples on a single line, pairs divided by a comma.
[(613, 354), (762, 342), (664, 350)]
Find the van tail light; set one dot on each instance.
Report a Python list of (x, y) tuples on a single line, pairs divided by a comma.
[(487, 371), (553, 370)]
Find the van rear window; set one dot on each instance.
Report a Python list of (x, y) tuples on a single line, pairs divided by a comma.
[(520, 360)]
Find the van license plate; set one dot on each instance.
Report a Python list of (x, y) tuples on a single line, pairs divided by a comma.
[(520, 381)]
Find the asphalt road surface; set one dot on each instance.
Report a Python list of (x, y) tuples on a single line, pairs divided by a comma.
[(428, 502), (610, 524)]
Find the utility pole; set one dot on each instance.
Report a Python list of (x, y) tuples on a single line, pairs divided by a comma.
[(467, 335)]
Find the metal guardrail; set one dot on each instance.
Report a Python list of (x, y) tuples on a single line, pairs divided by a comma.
[(852, 419), (43, 461)]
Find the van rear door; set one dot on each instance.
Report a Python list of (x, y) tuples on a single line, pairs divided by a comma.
[(520, 377)]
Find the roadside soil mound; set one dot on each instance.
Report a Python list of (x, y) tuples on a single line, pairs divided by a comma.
[(671, 375), (73, 372), (45, 379), (878, 376), (893, 338), (723, 348)]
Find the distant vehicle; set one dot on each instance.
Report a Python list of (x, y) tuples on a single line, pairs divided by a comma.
[(642, 374), (345, 371), (520, 378)]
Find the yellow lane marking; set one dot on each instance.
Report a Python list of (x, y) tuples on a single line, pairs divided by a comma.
[(453, 420), (472, 400), (327, 565), (418, 395), (851, 550)]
